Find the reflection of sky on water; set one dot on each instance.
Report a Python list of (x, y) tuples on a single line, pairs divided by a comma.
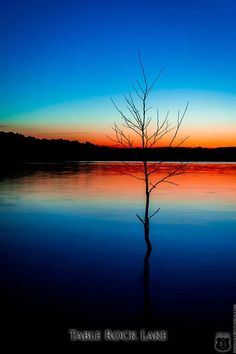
[(67, 237)]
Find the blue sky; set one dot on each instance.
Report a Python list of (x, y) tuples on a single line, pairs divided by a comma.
[(71, 56)]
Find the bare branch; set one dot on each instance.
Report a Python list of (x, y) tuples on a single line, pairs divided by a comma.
[(136, 91), (139, 85), (148, 109), (129, 174), (154, 213), (132, 166), (176, 172), (140, 218), (170, 182), (143, 72), (179, 122), (155, 81), (182, 141)]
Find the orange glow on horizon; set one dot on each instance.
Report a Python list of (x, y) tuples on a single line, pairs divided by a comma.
[(102, 140), (198, 137)]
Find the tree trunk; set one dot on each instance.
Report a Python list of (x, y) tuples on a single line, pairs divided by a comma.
[(146, 216), (146, 276)]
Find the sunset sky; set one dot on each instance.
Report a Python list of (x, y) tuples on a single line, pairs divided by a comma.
[(62, 60)]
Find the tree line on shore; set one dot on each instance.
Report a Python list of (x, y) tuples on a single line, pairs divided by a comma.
[(17, 148)]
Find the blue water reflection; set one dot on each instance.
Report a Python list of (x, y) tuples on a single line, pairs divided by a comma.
[(72, 249)]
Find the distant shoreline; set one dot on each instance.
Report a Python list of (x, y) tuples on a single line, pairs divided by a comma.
[(17, 149)]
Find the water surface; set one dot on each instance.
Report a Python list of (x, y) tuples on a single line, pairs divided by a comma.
[(72, 249)]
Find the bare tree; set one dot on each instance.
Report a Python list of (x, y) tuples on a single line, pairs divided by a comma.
[(138, 124)]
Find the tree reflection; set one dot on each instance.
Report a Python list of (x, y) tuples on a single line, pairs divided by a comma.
[(146, 279)]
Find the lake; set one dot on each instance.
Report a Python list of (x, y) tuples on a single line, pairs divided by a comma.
[(72, 251)]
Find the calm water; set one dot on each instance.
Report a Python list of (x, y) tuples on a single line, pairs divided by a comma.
[(72, 250)]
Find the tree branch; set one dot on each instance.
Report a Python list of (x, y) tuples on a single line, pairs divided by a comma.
[(140, 219), (154, 213)]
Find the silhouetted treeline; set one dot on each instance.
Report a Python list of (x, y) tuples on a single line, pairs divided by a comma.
[(16, 148)]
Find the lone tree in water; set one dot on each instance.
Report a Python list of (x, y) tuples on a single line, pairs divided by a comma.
[(137, 125)]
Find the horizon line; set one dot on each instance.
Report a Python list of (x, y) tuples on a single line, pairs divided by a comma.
[(117, 147)]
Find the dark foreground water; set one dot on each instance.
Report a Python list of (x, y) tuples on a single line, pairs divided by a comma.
[(72, 253)]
